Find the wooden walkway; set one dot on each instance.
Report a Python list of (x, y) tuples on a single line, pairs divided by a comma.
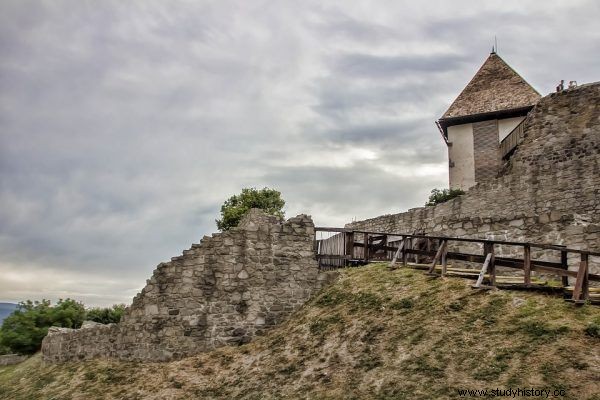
[(344, 247)]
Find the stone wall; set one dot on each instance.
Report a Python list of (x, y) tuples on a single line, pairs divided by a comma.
[(548, 192), (225, 290), (11, 359)]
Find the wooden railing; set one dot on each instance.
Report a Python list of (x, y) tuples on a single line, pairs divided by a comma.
[(511, 141), (346, 247)]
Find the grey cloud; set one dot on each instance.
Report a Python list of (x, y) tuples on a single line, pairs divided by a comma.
[(379, 133), (389, 66), (124, 125), (363, 190)]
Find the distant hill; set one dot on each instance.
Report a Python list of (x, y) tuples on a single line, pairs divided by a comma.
[(373, 334), (6, 309)]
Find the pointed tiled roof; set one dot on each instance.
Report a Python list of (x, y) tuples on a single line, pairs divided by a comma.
[(495, 87)]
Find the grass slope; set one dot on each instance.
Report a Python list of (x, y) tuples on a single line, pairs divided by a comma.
[(375, 334)]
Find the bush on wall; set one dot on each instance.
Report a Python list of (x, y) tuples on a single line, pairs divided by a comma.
[(235, 207), (438, 196)]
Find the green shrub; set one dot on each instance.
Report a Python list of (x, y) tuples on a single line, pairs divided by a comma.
[(593, 330), (402, 304), (107, 315), (235, 207), (541, 331), (22, 331), (438, 196)]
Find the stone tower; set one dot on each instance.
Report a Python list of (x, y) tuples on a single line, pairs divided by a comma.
[(488, 109)]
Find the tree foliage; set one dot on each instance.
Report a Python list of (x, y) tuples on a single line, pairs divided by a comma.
[(3, 349), (22, 331), (106, 315), (438, 196), (234, 208)]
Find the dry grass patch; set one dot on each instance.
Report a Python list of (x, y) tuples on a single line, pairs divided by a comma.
[(374, 334)]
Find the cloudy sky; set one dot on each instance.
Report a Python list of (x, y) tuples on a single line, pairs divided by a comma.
[(124, 125)]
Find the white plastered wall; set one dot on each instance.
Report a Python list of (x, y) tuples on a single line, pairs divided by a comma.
[(505, 126), (460, 153)]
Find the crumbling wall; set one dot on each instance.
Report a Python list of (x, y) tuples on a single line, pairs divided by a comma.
[(548, 192), (11, 359), (225, 290)]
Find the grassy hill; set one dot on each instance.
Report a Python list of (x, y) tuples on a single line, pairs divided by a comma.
[(375, 334)]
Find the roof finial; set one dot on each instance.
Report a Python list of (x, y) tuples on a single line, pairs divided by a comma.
[(495, 46)]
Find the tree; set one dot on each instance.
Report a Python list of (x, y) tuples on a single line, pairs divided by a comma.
[(234, 208), (438, 196), (22, 331), (3, 349), (107, 315)]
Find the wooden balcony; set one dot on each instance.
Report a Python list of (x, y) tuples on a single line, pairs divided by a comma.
[(511, 141)]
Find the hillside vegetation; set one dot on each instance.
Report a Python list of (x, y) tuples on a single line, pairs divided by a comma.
[(374, 334)]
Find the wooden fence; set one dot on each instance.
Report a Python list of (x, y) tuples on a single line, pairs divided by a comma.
[(346, 247)]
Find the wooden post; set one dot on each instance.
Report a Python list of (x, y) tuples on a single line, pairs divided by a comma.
[(488, 248), (437, 257), (415, 246), (444, 260), (398, 252), (581, 288), (366, 246), (586, 277), (385, 243), (318, 246), (350, 244), (407, 245), (565, 265), (527, 264), (484, 269)]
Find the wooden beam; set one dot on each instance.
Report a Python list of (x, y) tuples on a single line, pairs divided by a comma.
[(377, 247), (437, 257), (483, 271), (527, 264), (565, 265), (581, 286), (585, 288), (350, 244), (327, 229), (415, 243), (400, 247), (536, 265), (492, 267), (471, 240), (366, 247), (332, 257), (444, 258), (407, 243)]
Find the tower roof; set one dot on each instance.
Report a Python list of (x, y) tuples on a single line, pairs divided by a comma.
[(495, 87)]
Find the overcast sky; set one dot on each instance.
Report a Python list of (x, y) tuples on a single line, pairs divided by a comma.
[(125, 124)]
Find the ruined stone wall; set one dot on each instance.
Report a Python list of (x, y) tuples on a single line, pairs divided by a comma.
[(225, 290), (548, 192), (11, 359)]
